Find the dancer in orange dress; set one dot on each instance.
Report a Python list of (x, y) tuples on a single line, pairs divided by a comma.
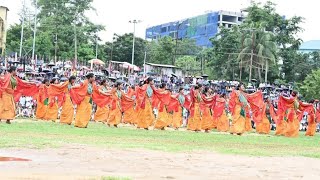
[(162, 120), (130, 115), (220, 115), (42, 100), (11, 84), (67, 112), (263, 127), (310, 109), (206, 104), (102, 113), (82, 97), (146, 116), (177, 106), (52, 109), (238, 105), (194, 122)]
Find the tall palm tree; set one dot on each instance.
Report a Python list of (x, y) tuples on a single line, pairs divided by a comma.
[(258, 49)]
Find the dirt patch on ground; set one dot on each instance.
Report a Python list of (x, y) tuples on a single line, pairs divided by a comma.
[(84, 162)]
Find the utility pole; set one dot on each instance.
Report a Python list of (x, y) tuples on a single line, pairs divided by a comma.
[(34, 33), (144, 63), (96, 46), (111, 54), (251, 58), (22, 26), (134, 22), (55, 48)]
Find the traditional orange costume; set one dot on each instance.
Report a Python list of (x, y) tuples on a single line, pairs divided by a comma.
[(163, 98), (129, 114), (102, 113), (42, 102), (11, 89), (220, 116), (194, 123), (238, 105), (146, 117), (81, 96), (62, 92), (207, 122), (258, 108), (312, 124), (288, 123)]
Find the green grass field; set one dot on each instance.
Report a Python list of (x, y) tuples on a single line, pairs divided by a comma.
[(35, 134)]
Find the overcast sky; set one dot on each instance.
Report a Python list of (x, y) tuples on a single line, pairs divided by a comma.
[(114, 15)]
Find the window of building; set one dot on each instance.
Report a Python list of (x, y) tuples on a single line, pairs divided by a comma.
[(164, 29)]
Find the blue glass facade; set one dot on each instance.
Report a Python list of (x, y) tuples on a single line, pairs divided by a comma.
[(201, 28)]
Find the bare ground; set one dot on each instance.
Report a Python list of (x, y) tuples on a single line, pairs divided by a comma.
[(85, 162)]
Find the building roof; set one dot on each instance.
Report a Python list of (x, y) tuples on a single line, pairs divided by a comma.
[(161, 65), (310, 45), (4, 7)]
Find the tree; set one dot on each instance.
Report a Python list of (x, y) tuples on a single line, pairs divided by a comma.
[(122, 49), (223, 56), (230, 42), (188, 64), (259, 50), (164, 50), (59, 21), (311, 85)]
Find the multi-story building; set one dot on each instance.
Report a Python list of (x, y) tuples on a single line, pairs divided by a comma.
[(201, 28), (3, 28)]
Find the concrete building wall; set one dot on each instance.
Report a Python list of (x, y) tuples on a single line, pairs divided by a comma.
[(3, 28)]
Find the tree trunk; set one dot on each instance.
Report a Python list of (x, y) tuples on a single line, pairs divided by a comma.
[(259, 73), (266, 74), (250, 70)]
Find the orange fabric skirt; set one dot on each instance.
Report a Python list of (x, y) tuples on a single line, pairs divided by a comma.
[(223, 122), (1, 106), (129, 116), (83, 114), (52, 112), (238, 125), (293, 128), (264, 126), (67, 112), (177, 118), (248, 125), (146, 117), (206, 120), (41, 109), (8, 111), (115, 117), (281, 128), (194, 123), (162, 120), (311, 131), (137, 112), (102, 114)]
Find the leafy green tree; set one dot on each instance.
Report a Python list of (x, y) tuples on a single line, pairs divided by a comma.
[(166, 49), (122, 49), (311, 85), (258, 50), (59, 23), (189, 65), (223, 56)]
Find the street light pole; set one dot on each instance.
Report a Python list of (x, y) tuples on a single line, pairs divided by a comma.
[(34, 33), (22, 26), (96, 47), (134, 22), (111, 54)]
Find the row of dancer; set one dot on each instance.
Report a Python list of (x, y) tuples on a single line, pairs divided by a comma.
[(207, 110)]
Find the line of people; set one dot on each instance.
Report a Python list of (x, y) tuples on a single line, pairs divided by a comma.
[(207, 110)]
